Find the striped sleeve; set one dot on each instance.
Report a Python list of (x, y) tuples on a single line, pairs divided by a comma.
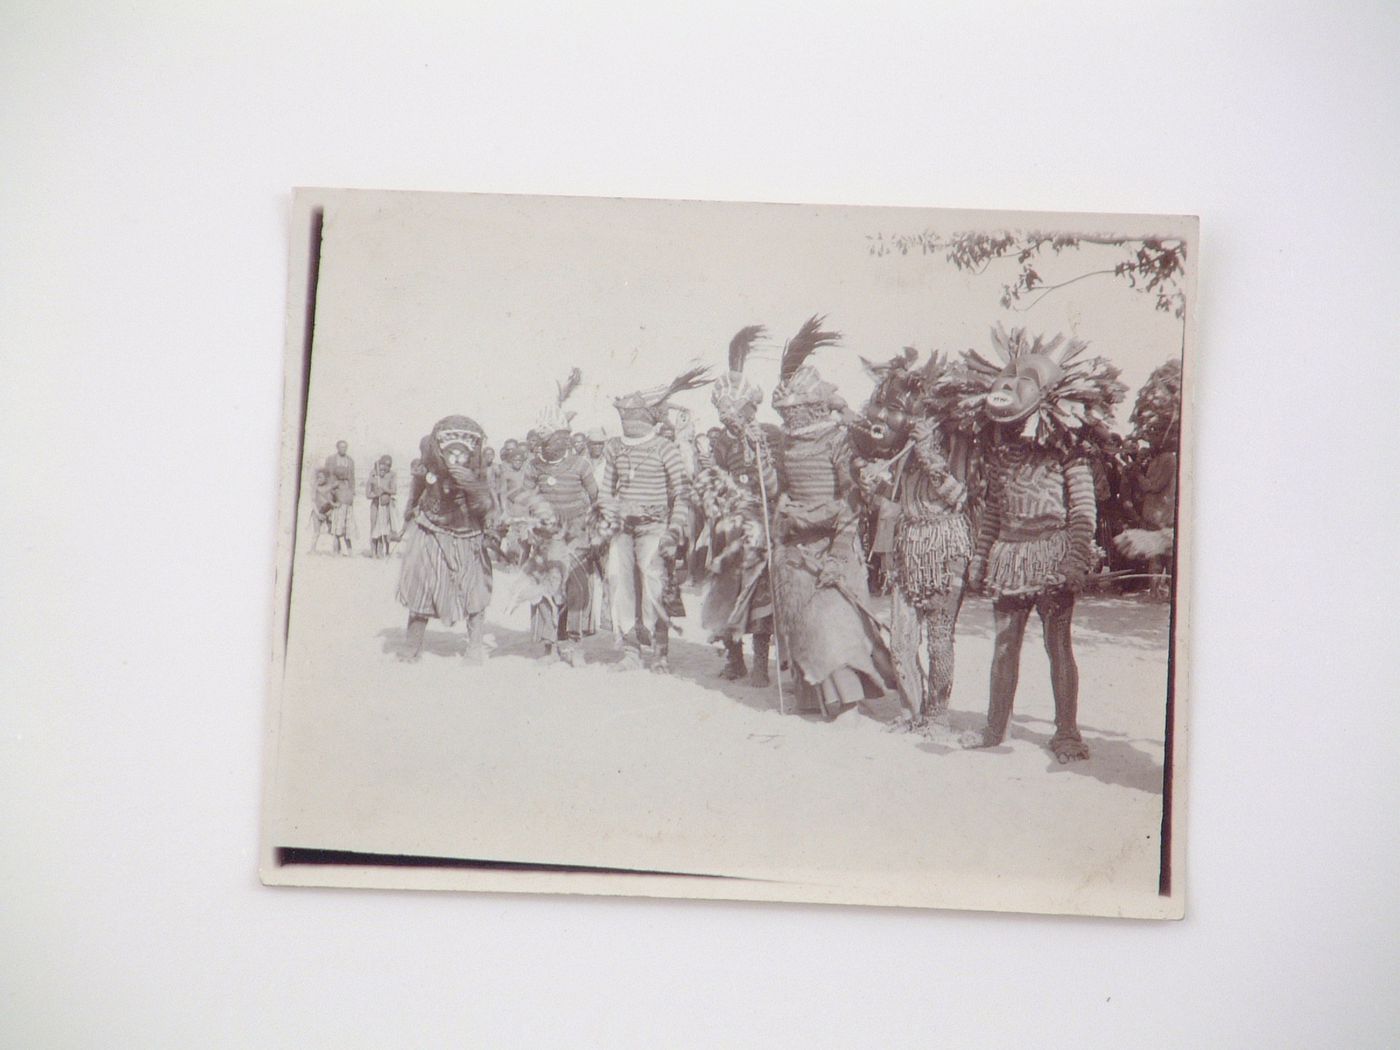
[(586, 479), (989, 521), (610, 468), (1083, 511), (677, 487)]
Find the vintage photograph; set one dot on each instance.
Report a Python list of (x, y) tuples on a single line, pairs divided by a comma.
[(749, 551)]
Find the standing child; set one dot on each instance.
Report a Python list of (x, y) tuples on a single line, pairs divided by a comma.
[(342, 509), (322, 501), (382, 489)]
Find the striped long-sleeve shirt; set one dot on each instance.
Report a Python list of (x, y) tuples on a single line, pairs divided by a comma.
[(567, 484), (648, 479), (816, 473), (1035, 492)]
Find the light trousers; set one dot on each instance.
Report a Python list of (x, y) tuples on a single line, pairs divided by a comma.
[(635, 550)]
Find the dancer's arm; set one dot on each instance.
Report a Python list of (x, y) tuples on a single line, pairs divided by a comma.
[(1082, 519)]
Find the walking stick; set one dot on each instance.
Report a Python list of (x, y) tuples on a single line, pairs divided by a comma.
[(778, 644)]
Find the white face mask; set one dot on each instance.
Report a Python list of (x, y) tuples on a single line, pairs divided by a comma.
[(637, 427)]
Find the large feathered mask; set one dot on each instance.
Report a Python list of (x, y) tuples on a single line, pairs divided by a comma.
[(896, 404), (1047, 389)]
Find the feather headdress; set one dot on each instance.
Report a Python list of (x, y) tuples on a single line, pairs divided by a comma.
[(1056, 397), (553, 418), (798, 382), (653, 400), (809, 338), (741, 344), (733, 390)]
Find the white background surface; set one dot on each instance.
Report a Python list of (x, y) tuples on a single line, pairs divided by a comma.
[(147, 155)]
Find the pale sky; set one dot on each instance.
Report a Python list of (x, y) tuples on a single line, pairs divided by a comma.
[(433, 304)]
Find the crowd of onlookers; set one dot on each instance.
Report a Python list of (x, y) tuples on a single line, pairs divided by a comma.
[(335, 491)]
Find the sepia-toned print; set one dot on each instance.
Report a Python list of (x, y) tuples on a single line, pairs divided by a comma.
[(692, 549)]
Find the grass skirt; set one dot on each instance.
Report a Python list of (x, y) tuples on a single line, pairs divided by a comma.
[(444, 574), (931, 556), (1025, 567)]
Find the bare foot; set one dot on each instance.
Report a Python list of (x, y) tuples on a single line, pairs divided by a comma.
[(1069, 749), (978, 738)]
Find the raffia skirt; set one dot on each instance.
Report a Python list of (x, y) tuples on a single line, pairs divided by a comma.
[(444, 574), (1027, 567), (931, 555)]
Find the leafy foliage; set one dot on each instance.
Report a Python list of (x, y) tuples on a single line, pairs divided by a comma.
[(1156, 416), (1152, 265)]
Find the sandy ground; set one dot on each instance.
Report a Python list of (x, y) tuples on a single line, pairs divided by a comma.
[(521, 761)]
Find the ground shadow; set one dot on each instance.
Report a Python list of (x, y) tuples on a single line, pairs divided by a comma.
[(1115, 762), (447, 642), (1098, 621)]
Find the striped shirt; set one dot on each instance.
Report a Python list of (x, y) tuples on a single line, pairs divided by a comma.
[(568, 484), (815, 472), (816, 464), (648, 479)]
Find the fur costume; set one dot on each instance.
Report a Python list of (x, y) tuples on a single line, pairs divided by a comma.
[(822, 601)]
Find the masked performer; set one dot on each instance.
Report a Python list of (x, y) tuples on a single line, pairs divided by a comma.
[(1036, 416), (381, 488), (446, 570), (918, 498), (736, 488), (557, 563), (831, 636), (644, 507)]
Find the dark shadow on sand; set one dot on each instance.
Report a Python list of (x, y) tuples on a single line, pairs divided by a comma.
[(1112, 761)]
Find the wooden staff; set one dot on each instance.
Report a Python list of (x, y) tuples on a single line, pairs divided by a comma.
[(778, 644)]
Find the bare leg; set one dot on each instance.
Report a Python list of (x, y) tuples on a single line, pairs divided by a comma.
[(417, 627), (1057, 617), (1010, 617), (476, 645)]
